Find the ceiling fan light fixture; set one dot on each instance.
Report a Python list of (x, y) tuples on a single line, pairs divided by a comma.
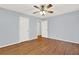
[(42, 12), (43, 9)]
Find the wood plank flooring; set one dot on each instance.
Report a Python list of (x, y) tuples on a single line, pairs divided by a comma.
[(44, 47)]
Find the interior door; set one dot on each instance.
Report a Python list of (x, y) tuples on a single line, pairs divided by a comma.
[(44, 28), (23, 28)]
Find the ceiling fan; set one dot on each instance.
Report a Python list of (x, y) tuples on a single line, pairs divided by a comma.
[(43, 9)]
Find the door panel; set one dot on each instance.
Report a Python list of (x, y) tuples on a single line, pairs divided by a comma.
[(24, 29)]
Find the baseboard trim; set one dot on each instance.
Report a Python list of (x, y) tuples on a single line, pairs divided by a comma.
[(64, 40), (32, 39), (13, 43)]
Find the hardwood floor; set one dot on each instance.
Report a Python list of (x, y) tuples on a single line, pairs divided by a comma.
[(44, 47)]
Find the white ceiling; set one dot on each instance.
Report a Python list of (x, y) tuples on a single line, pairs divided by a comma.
[(29, 9)]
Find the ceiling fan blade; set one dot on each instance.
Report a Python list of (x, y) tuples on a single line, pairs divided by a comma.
[(37, 7), (36, 12), (49, 6), (42, 7), (50, 11)]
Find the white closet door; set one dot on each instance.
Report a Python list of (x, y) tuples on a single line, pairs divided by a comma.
[(44, 28), (39, 27), (24, 29)]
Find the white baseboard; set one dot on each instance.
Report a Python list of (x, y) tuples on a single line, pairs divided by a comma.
[(16, 42), (13, 43), (9, 44), (64, 40), (32, 39)]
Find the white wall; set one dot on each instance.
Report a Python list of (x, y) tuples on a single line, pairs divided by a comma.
[(64, 27), (10, 24)]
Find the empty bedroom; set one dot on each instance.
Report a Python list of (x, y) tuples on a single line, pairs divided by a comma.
[(39, 29)]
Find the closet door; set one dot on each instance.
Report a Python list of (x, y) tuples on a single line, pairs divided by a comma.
[(44, 28), (23, 29)]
